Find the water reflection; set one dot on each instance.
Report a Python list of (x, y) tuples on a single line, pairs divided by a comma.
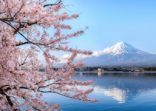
[(122, 86), (117, 94)]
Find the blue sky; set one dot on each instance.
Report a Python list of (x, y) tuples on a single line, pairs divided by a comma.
[(111, 21)]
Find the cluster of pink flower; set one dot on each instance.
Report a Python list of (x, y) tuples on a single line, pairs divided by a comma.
[(24, 34)]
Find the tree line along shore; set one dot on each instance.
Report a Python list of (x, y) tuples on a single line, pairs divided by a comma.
[(117, 69)]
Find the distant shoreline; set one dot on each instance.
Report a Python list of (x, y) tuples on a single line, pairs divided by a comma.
[(117, 72)]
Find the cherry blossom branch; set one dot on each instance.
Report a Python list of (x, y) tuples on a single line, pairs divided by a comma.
[(40, 26)]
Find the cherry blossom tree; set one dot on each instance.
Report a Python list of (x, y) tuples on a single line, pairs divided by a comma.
[(30, 29)]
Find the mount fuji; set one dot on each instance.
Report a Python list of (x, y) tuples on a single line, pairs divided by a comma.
[(120, 54)]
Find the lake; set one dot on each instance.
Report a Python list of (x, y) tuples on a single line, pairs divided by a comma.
[(114, 92)]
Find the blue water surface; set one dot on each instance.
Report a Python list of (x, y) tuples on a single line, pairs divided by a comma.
[(114, 92)]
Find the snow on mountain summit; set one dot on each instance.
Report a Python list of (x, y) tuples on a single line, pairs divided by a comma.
[(117, 49), (120, 48)]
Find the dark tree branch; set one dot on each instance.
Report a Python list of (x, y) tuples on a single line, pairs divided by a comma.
[(47, 5), (22, 43), (15, 29), (19, 9), (7, 97)]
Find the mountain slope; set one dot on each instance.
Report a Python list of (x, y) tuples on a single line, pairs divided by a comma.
[(120, 54)]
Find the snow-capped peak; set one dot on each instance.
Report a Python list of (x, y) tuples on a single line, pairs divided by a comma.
[(118, 48), (120, 54), (121, 48)]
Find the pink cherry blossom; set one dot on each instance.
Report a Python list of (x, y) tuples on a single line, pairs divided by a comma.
[(29, 30)]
